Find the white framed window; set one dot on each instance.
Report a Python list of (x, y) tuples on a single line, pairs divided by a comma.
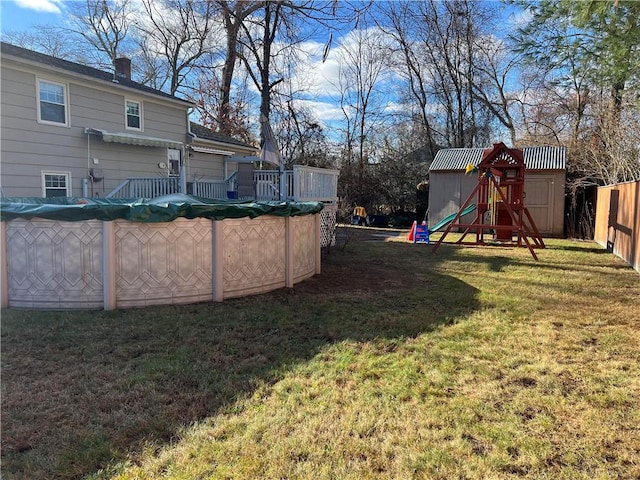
[(53, 105), (133, 114), (56, 184)]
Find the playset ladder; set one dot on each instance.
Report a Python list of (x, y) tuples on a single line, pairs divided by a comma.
[(421, 234)]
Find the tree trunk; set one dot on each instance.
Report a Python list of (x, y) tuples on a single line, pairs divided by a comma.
[(227, 76)]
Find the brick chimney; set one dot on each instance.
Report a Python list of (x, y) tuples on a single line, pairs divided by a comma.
[(123, 68)]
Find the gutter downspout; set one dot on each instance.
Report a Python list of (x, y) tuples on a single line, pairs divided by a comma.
[(185, 154), (183, 171), (85, 181)]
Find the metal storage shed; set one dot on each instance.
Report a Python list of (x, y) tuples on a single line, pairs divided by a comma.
[(544, 184)]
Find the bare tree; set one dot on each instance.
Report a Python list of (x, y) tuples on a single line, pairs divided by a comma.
[(362, 84), (268, 44), (363, 66), (258, 53), (179, 32), (47, 40), (303, 138), (494, 65), (436, 52), (403, 165), (451, 27), (94, 35), (104, 25), (206, 97), (233, 14), (410, 64)]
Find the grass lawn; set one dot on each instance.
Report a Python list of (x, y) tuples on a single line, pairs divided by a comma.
[(394, 363)]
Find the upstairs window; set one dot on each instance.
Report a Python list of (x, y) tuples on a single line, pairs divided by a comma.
[(134, 114), (56, 184), (52, 103)]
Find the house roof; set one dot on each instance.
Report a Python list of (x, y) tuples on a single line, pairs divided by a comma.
[(535, 158), (82, 70), (202, 132)]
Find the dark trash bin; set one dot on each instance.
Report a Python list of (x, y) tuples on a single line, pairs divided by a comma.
[(379, 220)]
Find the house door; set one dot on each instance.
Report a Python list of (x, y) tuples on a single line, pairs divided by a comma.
[(246, 188), (174, 162)]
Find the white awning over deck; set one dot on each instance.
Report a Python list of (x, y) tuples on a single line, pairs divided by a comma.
[(132, 139)]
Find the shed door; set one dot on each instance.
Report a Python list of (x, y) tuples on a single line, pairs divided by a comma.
[(539, 200)]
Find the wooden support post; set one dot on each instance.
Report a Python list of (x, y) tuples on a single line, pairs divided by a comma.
[(515, 220), (217, 260), (288, 252), (318, 243), (476, 220), (536, 234), (4, 276), (109, 284)]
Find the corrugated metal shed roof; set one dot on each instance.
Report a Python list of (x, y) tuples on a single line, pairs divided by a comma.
[(535, 158), (456, 158), (545, 158)]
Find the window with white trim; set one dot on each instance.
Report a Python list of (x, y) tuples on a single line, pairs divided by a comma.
[(133, 111), (56, 184), (52, 103)]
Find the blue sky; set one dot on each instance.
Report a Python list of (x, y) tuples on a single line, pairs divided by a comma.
[(19, 15), (24, 15), (316, 79)]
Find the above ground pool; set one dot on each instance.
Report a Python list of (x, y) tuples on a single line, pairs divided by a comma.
[(84, 253)]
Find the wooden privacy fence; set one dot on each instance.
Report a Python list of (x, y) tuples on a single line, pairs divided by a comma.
[(618, 221)]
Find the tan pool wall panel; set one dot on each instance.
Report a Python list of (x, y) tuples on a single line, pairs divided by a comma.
[(163, 263), (54, 265), (253, 255), (51, 265), (304, 246)]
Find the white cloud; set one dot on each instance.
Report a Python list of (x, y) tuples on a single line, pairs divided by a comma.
[(519, 18), (314, 76), (323, 111), (315, 83), (47, 6), (321, 79)]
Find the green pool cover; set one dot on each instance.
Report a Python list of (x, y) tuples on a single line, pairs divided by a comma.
[(159, 209)]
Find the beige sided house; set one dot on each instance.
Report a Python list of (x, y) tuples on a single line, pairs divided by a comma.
[(545, 177), (73, 130)]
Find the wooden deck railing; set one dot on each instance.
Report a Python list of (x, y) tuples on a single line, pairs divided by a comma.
[(210, 188), (315, 184), (273, 185), (303, 184), (146, 187)]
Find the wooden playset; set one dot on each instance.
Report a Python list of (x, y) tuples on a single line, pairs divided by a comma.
[(501, 211)]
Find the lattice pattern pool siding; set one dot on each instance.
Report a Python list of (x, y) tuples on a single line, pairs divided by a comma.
[(163, 263), (328, 225), (304, 243), (254, 256), (54, 265), (47, 264)]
